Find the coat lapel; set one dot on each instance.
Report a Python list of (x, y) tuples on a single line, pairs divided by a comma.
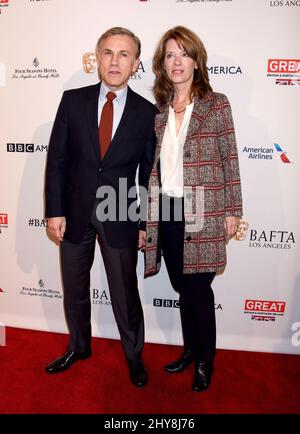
[(92, 117), (200, 112), (160, 126)]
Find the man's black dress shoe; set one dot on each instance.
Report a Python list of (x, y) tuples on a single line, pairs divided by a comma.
[(203, 373), (138, 373), (65, 361), (180, 364)]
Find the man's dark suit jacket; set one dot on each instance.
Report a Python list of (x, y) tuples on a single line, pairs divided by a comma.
[(74, 167)]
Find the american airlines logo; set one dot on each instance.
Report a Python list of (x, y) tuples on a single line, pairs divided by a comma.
[(266, 153)]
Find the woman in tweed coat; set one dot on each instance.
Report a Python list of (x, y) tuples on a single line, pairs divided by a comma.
[(196, 169)]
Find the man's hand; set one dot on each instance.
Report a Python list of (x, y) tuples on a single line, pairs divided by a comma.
[(142, 240), (231, 225), (57, 227)]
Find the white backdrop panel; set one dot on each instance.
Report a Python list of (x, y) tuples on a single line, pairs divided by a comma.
[(41, 55)]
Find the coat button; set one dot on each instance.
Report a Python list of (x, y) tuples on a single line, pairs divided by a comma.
[(188, 238), (149, 240)]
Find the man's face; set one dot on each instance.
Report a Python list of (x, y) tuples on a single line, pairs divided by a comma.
[(117, 61)]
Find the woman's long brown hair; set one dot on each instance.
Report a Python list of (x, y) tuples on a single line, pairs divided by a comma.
[(187, 40)]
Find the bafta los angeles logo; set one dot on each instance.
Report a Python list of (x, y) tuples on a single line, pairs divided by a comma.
[(89, 62)]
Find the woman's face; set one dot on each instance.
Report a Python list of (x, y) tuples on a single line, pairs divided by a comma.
[(178, 65)]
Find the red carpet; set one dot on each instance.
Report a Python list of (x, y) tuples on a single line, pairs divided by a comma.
[(244, 382)]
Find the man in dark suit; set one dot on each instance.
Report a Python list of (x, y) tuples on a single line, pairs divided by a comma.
[(101, 135)]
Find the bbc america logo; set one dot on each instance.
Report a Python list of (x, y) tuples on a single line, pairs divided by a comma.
[(165, 302), (162, 302), (26, 147)]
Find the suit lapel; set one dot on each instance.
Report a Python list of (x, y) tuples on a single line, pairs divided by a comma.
[(92, 117)]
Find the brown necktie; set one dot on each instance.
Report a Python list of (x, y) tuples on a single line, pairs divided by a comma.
[(106, 123)]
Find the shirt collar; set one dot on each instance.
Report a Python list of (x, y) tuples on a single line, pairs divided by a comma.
[(122, 93)]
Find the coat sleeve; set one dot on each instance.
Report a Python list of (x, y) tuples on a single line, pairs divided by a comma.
[(145, 168), (57, 163), (229, 155)]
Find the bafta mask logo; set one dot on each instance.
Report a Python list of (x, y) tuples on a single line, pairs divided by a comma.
[(241, 231), (89, 62)]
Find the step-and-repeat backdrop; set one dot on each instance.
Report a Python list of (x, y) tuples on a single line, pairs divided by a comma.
[(47, 46)]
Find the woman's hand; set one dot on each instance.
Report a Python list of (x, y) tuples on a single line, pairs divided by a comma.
[(231, 224)]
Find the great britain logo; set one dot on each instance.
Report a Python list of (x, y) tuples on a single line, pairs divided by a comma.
[(285, 71)]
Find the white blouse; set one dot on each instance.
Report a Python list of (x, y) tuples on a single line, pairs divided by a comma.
[(171, 155)]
